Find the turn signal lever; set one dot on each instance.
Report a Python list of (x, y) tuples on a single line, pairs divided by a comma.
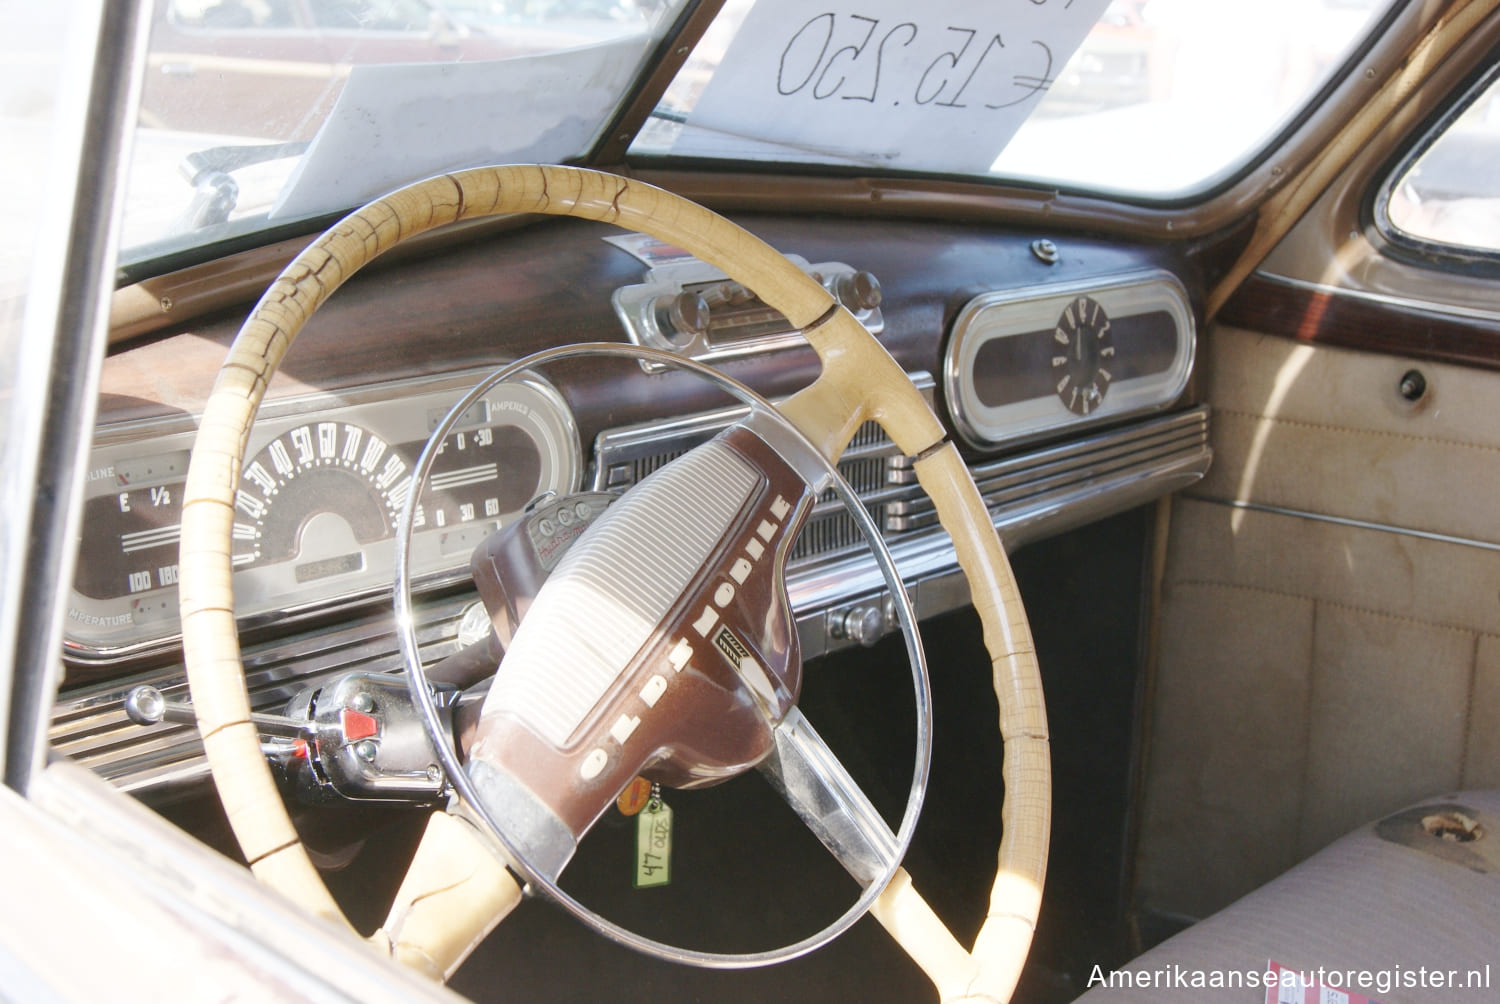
[(146, 705)]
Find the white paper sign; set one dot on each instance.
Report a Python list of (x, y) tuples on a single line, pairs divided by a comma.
[(935, 85), (394, 124)]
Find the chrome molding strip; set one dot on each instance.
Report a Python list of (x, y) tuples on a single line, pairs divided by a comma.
[(1097, 459), (1031, 496), (1358, 524)]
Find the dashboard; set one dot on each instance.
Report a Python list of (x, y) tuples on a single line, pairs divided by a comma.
[(1063, 367)]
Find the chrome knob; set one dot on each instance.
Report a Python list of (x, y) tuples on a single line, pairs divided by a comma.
[(680, 317), (859, 291), (146, 706), (864, 624)]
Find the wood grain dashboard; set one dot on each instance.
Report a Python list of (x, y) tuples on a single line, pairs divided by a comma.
[(485, 302)]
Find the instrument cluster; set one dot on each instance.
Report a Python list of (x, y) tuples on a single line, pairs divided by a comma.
[(318, 502)]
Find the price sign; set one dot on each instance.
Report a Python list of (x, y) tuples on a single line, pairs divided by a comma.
[(940, 85)]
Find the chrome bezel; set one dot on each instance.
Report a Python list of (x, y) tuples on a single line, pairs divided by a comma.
[(1010, 313), (633, 307)]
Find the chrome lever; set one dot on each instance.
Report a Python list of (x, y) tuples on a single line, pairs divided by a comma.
[(145, 705)]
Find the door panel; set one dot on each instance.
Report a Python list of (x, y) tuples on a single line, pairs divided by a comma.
[(1330, 620)]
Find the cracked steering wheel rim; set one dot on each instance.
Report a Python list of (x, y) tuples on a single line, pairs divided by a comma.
[(859, 382)]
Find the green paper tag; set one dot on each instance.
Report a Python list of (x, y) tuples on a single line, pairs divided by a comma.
[(653, 845)]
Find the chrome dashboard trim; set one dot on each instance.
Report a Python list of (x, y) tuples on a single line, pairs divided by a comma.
[(632, 306), (1010, 313)]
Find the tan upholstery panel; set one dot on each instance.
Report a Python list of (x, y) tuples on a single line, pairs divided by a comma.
[(1217, 828), (1325, 430), (1431, 581), (1312, 675), (1482, 753), (1390, 700)]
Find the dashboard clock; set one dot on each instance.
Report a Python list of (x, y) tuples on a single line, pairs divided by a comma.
[(1084, 353), (1033, 361)]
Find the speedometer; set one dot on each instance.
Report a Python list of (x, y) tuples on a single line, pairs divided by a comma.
[(334, 469)]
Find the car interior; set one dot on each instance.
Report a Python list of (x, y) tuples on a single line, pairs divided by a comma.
[(582, 512)]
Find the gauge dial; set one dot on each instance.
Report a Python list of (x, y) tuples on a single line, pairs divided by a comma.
[(468, 481), (143, 526), (509, 448), (337, 479), (1082, 355)]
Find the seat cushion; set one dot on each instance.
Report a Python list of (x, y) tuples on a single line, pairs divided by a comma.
[(1418, 890)]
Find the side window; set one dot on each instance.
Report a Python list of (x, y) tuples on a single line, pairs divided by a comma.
[(1445, 198)]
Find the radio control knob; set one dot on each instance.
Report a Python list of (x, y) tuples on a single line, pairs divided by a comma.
[(727, 294), (859, 291), (680, 317), (864, 623)]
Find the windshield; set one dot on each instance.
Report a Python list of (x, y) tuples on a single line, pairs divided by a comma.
[(1148, 99), (257, 114)]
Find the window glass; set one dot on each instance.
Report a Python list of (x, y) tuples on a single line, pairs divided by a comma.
[(1163, 98), (370, 15), (258, 113), (1451, 193)]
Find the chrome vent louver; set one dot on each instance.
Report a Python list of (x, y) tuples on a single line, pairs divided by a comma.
[(871, 464)]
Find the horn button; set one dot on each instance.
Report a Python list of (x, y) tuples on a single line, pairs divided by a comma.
[(662, 644)]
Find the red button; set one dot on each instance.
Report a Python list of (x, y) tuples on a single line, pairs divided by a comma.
[(358, 725)]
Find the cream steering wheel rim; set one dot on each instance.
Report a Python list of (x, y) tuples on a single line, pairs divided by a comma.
[(859, 382)]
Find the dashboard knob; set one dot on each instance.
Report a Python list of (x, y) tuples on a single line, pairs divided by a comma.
[(680, 317), (864, 623), (859, 291), (727, 294)]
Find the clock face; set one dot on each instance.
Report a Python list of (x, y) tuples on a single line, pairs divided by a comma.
[(1082, 356)]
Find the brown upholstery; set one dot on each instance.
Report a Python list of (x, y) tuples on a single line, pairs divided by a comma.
[(1387, 895)]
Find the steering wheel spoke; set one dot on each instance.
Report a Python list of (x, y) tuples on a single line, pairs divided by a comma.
[(821, 791), (860, 381)]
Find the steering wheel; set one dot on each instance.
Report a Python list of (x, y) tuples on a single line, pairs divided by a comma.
[(458, 888)]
